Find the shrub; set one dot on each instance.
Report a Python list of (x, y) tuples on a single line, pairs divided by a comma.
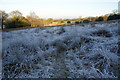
[(113, 17), (77, 22), (68, 22), (62, 21), (80, 21), (17, 22), (86, 21), (99, 19)]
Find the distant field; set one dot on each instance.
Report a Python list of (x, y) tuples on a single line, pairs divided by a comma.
[(69, 51), (54, 25)]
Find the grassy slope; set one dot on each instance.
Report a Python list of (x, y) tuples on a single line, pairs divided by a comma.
[(74, 51)]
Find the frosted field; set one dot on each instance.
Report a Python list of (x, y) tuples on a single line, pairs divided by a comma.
[(76, 51)]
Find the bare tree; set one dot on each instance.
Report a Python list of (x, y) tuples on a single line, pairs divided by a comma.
[(33, 15), (15, 13), (115, 11), (35, 20)]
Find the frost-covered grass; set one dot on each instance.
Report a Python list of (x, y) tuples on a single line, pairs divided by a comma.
[(75, 51)]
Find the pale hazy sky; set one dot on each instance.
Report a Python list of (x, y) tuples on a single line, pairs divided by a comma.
[(60, 8)]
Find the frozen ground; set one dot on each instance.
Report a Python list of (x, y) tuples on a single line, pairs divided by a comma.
[(76, 51)]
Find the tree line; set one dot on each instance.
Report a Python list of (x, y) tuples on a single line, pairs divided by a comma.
[(16, 19)]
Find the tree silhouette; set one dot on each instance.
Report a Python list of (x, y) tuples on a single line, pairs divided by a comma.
[(3, 17)]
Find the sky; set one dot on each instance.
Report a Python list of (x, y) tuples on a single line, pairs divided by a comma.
[(60, 8)]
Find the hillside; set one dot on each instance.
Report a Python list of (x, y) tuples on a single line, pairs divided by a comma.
[(74, 51)]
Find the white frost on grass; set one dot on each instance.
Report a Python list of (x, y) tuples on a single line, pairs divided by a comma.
[(75, 51)]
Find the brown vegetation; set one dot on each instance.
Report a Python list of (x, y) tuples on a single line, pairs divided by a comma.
[(16, 20)]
